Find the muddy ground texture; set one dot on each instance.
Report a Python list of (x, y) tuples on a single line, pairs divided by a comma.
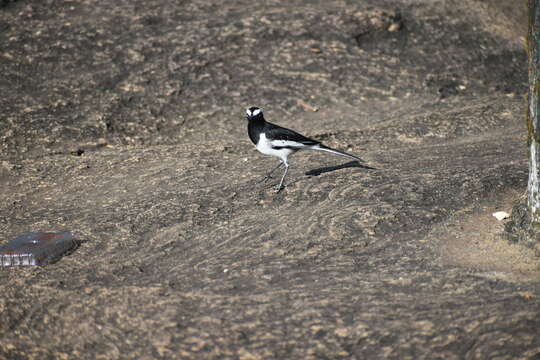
[(123, 122)]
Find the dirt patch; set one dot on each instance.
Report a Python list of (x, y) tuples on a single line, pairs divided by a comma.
[(476, 240), (124, 123)]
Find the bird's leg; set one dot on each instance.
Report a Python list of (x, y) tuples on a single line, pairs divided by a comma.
[(268, 176), (280, 186)]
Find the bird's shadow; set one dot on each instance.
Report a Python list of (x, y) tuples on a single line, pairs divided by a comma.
[(350, 164)]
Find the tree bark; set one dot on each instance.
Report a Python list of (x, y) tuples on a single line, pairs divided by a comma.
[(524, 226), (533, 121)]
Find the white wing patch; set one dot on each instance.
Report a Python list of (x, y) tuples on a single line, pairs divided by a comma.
[(287, 143)]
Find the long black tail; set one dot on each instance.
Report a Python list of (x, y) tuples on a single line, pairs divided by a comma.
[(334, 151)]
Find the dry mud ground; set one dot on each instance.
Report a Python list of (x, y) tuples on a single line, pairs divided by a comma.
[(123, 122)]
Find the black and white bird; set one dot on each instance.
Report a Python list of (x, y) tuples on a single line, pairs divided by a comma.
[(271, 139)]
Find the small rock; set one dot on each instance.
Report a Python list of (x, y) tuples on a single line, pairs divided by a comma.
[(394, 27), (501, 215)]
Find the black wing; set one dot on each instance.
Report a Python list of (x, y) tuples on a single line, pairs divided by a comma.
[(275, 132)]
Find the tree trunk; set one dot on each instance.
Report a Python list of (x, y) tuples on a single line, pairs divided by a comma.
[(524, 226), (533, 120)]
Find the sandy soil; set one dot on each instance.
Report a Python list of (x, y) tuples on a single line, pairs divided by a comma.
[(123, 122)]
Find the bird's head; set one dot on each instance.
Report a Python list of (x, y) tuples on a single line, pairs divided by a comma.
[(253, 112)]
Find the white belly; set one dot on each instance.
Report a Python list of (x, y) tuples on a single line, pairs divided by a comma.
[(265, 147)]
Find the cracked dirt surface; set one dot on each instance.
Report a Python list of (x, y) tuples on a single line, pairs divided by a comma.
[(123, 122)]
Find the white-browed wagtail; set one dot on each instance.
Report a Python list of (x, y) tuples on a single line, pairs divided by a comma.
[(271, 139)]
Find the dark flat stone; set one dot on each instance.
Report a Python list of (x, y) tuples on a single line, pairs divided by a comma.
[(36, 248)]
